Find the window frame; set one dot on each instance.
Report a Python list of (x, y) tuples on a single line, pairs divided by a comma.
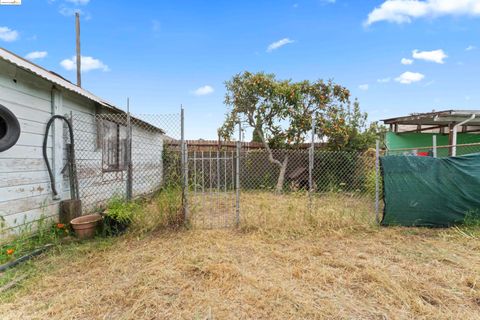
[(118, 151)]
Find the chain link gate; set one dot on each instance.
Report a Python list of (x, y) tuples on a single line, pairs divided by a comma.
[(212, 188)]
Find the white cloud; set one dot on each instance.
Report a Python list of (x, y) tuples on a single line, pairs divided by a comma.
[(406, 61), (404, 11), (279, 44), (409, 77), (470, 48), (203, 91), (79, 2), (88, 64), (36, 55), (384, 80), (429, 83), (7, 34), (436, 56), (363, 87)]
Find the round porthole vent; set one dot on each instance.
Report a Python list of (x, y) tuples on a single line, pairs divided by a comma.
[(9, 129)]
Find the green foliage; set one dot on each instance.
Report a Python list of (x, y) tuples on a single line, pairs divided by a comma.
[(353, 134), (172, 166), (370, 183), (31, 237), (120, 210), (280, 112), (163, 211), (472, 219)]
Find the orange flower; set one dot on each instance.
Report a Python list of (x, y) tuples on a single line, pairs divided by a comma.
[(60, 225), (10, 251)]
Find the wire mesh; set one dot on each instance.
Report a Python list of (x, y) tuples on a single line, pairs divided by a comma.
[(116, 153), (345, 180), (288, 171), (119, 156), (211, 185)]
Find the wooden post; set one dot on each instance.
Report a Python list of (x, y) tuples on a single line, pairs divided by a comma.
[(79, 57)]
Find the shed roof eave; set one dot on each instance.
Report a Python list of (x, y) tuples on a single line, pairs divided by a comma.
[(435, 118), (59, 81)]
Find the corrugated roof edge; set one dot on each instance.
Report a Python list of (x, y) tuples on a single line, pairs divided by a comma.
[(60, 81), (433, 113), (52, 77)]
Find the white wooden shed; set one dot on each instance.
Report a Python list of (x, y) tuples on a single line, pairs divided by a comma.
[(34, 94)]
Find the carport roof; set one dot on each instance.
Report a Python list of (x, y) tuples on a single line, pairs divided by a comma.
[(438, 118)]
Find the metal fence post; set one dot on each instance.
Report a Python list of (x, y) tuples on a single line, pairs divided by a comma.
[(377, 181), (434, 144), (185, 192), (237, 179), (311, 160), (129, 153), (183, 163)]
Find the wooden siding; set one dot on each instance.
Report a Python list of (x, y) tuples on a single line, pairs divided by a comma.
[(25, 193)]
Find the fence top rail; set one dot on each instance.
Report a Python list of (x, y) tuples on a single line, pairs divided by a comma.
[(437, 147)]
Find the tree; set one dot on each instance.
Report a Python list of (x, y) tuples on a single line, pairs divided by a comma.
[(354, 133), (280, 112)]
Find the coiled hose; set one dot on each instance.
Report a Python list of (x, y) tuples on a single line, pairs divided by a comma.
[(70, 159)]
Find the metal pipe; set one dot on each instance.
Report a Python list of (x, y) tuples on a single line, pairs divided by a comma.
[(129, 154), (311, 159), (454, 133), (237, 205), (377, 181), (183, 164)]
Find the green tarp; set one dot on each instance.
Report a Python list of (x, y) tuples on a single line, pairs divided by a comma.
[(433, 192)]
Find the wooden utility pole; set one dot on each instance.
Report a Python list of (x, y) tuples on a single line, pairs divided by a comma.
[(79, 57)]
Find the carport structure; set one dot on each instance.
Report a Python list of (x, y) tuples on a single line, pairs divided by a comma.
[(460, 126)]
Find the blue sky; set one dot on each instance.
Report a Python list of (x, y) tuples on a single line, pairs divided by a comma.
[(165, 53)]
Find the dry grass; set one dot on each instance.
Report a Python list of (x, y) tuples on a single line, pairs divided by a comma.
[(336, 265)]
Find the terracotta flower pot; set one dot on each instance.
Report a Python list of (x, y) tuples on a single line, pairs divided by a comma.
[(85, 226)]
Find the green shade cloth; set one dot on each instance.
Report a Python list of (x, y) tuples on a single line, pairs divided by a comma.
[(433, 192)]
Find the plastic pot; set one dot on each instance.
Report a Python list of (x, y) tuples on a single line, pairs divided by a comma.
[(85, 226)]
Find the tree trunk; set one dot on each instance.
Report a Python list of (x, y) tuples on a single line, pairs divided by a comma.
[(282, 166), (281, 175)]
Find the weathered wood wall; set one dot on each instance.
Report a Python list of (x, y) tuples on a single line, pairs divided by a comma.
[(24, 183)]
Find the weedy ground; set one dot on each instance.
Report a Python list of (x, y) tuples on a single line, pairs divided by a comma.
[(283, 262)]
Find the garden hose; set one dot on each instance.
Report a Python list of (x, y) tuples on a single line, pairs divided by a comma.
[(70, 160)]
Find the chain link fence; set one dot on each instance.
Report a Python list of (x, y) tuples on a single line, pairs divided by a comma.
[(129, 156), (227, 188), (123, 156)]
